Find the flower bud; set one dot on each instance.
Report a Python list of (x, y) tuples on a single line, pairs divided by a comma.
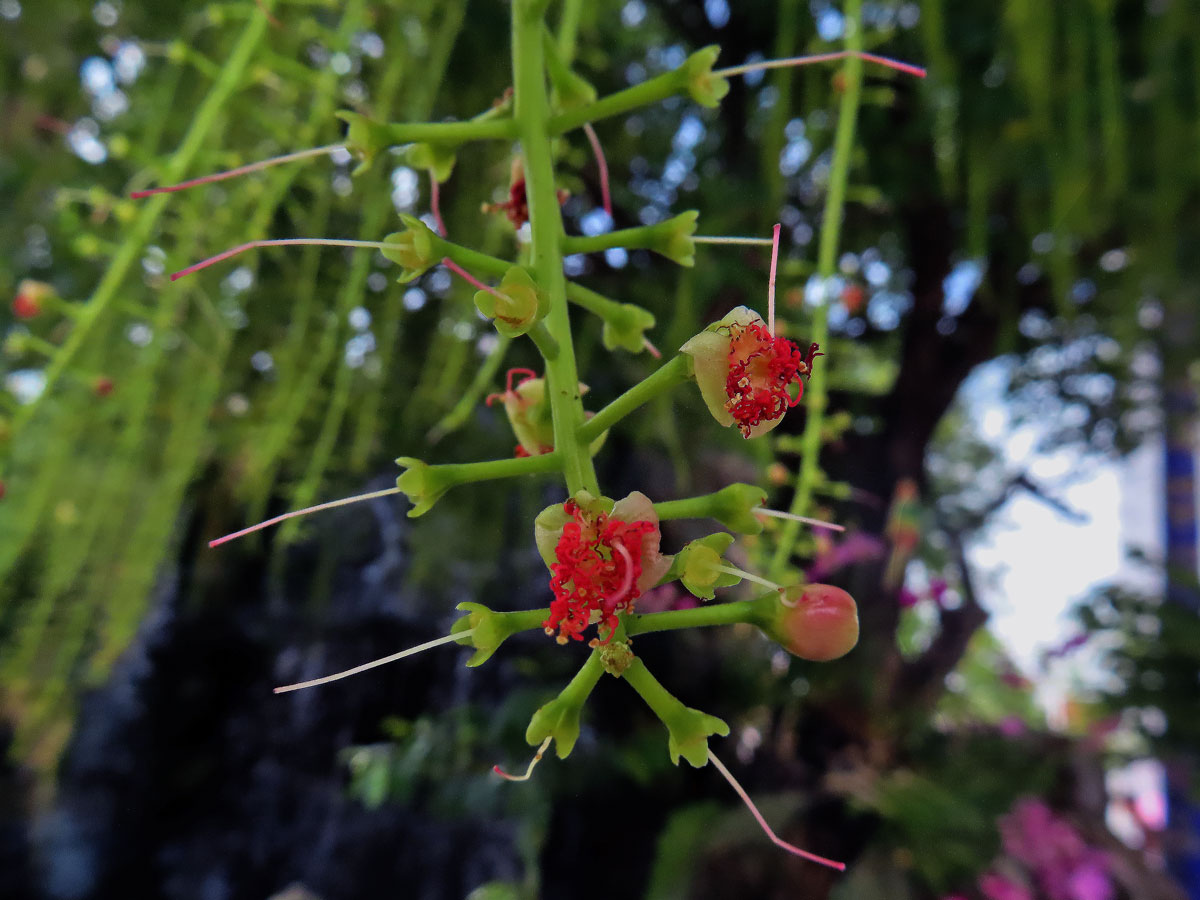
[(515, 305), (817, 622), (703, 86), (31, 298), (411, 249)]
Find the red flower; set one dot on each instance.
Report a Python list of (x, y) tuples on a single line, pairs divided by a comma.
[(30, 299), (516, 207), (745, 373), (604, 556), (761, 367)]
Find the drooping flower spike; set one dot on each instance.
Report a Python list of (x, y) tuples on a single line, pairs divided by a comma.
[(745, 373), (603, 555)]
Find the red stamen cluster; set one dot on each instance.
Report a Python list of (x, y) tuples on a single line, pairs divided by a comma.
[(599, 563), (761, 366), (516, 207), (520, 452)]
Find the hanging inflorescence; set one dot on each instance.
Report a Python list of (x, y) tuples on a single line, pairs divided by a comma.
[(601, 555)]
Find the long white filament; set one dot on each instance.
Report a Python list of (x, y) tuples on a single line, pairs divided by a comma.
[(345, 501), (375, 663), (749, 576), (817, 523)]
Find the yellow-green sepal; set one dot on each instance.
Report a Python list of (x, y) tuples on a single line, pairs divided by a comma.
[(413, 249)]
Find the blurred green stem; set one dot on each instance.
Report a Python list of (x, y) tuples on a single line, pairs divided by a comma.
[(815, 393)]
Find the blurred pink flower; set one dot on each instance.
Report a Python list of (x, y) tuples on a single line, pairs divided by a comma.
[(856, 547), (997, 887), (1012, 726), (1090, 880)]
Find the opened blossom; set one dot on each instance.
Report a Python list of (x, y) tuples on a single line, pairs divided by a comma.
[(602, 556), (748, 376)]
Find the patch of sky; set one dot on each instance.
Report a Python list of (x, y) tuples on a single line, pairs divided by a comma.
[(595, 221), (717, 12), (616, 257), (128, 61), (960, 286), (691, 131), (831, 24), (794, 155), (885, 309), (84, 141), (406, 189), (633, 13), (369, 44), (755, 77)]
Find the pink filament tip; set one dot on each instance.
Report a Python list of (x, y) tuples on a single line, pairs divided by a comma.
[(469, 278), (887, 61), (907, 68), (762, 823), (602, 165), (240, 170), (435, 203), (771, 283), (345, 501)]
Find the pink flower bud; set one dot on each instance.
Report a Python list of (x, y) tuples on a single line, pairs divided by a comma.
[(817, 622), (31, 299)]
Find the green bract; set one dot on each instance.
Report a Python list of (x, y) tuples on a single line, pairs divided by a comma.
[(673, 238), (625, 328), (436, 158), (703, 86), (411, 249), (515, 305), (365, 138), (421, 484), (558, 719), (733, 506), (488, 629), (696, 565)]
